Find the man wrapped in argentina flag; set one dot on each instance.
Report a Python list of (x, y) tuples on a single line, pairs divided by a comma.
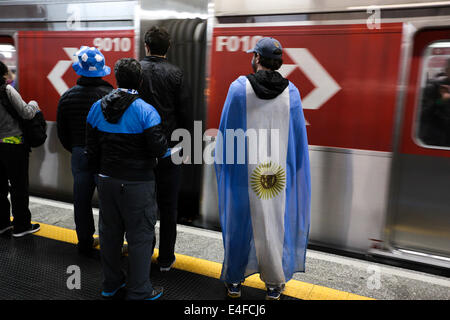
[(263, 176)]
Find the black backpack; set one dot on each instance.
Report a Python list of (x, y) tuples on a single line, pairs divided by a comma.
[(34, 130)]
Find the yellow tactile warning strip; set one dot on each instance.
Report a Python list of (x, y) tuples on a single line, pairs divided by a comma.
[(294, 288)]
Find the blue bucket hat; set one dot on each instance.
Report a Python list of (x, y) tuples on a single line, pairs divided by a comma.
[(91, 63), (268, 47)]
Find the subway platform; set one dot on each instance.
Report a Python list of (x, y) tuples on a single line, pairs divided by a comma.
[(40, 267)]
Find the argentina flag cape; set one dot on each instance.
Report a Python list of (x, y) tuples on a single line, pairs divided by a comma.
[(264, 188)]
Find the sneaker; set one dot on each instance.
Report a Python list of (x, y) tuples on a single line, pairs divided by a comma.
[(34, 228), (165, 268), (156, 294), (2, 231), (87, 250), (233, 290), (113, 294), (274, 293)]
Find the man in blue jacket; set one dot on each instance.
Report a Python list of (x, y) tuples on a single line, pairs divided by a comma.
[(124, 139)]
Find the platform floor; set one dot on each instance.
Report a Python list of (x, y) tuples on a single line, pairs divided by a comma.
[(40, 268), (327, 276)]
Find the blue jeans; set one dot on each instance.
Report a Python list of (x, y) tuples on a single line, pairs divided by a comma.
[(83, 190)]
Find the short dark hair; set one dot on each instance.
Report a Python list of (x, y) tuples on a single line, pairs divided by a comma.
[(270, 63), (3, 70), (128, 72), (158, 40)]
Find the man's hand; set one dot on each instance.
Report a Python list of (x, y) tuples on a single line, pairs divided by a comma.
[(34, 103)]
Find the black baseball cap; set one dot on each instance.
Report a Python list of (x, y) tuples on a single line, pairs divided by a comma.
[(268, 47)]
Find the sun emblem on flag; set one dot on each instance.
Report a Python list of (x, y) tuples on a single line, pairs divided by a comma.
[(268, 180)]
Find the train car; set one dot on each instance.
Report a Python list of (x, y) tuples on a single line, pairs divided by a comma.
[(380, 184), (40, 37)]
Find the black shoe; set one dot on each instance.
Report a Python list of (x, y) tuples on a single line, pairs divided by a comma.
[(20, 233), (89, 252), (156, 294), (5, 229), (274, 293), (95, 243)]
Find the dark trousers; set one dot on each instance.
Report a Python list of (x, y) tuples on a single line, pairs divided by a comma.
[(168, 176), (127, 207), (14, 159), (83, 191)]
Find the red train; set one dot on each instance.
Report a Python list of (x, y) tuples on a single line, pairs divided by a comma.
[(378, 186)]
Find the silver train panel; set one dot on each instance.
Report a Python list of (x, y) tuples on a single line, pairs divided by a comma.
[(349, 197), (50, 168), (58, 11), (421, 218)]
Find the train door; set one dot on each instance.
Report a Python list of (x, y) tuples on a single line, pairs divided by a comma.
[(420, 220)]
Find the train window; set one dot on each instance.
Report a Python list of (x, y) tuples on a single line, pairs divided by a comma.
[(8, 57), (433, 129)]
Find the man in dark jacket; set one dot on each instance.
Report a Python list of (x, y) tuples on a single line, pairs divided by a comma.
[(124, 139), (73, 108), (164, 86)]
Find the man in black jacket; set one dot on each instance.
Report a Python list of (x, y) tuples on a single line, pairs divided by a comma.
[(73, 108), (164, 86), (124, 139)]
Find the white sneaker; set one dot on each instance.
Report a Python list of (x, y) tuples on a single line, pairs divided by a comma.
[(34, 228), (167, 268), (233, 289)]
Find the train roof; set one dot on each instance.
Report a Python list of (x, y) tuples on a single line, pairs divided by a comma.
[(255, 7)]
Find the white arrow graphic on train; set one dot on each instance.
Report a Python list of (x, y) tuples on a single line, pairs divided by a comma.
[(55, 76), (325, 85)]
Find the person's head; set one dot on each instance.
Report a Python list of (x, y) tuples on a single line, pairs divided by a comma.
[(91, 63), (157, 41), (267, 54), (128, 72), (3, 72)]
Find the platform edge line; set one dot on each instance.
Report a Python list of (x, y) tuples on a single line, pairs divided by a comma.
[(212, 269)]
